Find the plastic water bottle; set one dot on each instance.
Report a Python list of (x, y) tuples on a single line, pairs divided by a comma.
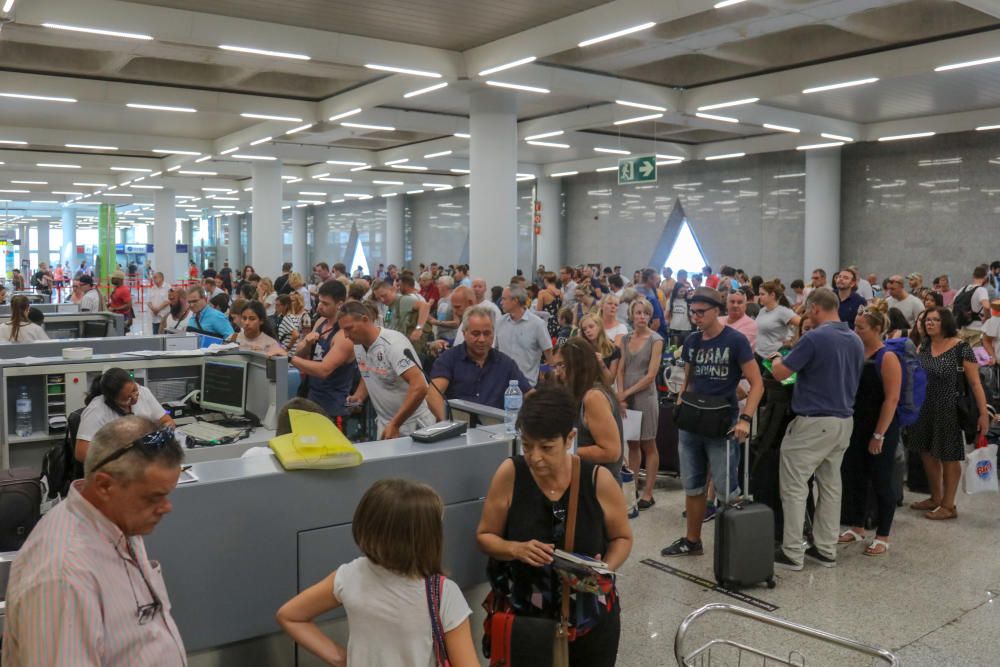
[(22, 423), (512, 400)]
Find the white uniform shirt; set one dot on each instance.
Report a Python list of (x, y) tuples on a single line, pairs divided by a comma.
[(382, 366), (91, 301), (28, 333), (97, 414)]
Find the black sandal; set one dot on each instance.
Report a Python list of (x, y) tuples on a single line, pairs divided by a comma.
[(646, 504)]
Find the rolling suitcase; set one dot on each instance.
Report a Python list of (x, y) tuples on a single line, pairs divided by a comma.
[(667, 438), (744, 540)]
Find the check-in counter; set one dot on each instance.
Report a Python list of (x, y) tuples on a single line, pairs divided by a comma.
[(47, 308), (249, 535), (78, 325), (110, 345)]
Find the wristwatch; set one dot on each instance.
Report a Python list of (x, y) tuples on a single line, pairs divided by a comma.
[(878, 436), (747, 418), (419, 327)]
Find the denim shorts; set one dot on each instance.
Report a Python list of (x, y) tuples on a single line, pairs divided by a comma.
[(700, 454)]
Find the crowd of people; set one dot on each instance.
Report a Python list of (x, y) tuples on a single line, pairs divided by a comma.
[(588, 347)]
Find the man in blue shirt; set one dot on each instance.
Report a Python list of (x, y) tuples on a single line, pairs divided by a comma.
[(828, 361), (647, 288), (716, 358), (473, 370), (846, 281), (204, 318)]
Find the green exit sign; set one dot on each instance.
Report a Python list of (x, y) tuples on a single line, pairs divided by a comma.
[(638, 169)]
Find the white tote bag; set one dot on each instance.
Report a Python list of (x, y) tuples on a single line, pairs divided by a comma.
[(632, 425), (981, 471)]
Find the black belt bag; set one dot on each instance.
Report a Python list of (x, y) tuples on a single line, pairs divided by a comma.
[(709, 416)]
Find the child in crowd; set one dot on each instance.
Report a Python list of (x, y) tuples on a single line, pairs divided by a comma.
[(391, 592), (565, 317)]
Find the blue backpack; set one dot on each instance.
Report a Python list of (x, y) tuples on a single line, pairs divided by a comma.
[(914, 389)]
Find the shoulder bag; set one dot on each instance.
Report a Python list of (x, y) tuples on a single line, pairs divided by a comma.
[(520, 641), (705, 415), (968, 409), (434, 585)]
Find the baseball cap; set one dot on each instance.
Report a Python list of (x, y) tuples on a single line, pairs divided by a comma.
[(707, 295)]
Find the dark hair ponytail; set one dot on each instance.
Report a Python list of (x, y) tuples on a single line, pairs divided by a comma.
[(109, 385)]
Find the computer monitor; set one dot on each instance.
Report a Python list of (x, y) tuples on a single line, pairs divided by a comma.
[(95, 329), (204, 340), (224, 386)]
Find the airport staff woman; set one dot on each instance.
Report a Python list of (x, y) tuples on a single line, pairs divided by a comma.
[(115, 394)]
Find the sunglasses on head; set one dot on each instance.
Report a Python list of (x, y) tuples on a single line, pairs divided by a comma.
[(149, 443)]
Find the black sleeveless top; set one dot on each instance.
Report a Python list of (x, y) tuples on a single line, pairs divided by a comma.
[(331, 392), (532, 516)]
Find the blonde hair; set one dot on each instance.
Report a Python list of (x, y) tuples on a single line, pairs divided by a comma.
[(298, 305), (602, 344), (876, 314), (264, 287), (640, 302), (295, 280)]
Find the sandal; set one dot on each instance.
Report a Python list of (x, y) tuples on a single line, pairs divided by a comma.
[(877, 548), (850, 535), (942, 513), (925, 505), (646, 504)]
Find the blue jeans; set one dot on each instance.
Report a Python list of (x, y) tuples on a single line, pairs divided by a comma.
[(700, 455)]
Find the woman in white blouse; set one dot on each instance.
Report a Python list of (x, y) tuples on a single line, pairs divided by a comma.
[(20, 329)]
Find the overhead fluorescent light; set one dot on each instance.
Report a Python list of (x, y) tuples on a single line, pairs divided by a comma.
[(300, 128), (733, 103), (204, 158), (388, 182), (438, 154), (215, 189), (44, 201), (462, 135), (835, 137), (722, 119), (258, 142), (414, 192), (264, 116), (548, 144), (640, 105), (160, 107), (40, 98), (8, 5), (411, 167), (346, 163), (724, 156), (660, 156), (345, 114), (638, 119), (809, 147), (148, 187), (842, 84), (67, 192), (334, 180), (91, 185), (434, 185), (387, 195), (612, 151), (91, 147), (404, 70), (545, 135), (983, 128), (727, 3), (15, 191), (363, 167), (428, 89), (192, 172), (660, 163), (97, 31), (617, 33), (364, 126), (12, 142), (229, 150), (615, 168), (781, 128), (517, 86), (136, 169), (114, 194), (30, 182), (264, 52), (500, 68), (58, 165), (173, 168), (914, 135), (397, 161), (456, 170), (172, 151), (243, 156), (970, 63), (560, 174)]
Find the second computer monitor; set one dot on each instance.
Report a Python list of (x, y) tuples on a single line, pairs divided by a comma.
[(95, 329), (224, 386)]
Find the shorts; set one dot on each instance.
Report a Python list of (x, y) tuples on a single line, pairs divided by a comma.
[(700, 455)]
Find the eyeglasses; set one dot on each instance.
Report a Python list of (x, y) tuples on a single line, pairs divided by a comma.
[(144, 612), (149, 443), (699, 312), (558, 523)]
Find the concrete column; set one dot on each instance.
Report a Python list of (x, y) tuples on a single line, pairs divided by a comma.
[(234, 252), (300, 243), (68, 251), (165, 257), (393, 232), (493, 195), (43, 242), (266, 239), (822, 229), (549, 249)]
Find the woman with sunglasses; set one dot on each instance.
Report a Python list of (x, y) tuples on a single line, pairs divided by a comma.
[(116, 394), (937, 434)]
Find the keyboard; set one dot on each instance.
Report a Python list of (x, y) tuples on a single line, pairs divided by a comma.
[(208, 432)]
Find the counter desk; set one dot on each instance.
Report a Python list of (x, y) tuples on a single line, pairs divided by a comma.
[(248, 535)]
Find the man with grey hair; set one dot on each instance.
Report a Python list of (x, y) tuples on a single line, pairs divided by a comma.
[(82, 590), (462, 298), (828, 361), (443, 320), (521, 334), (204, 318), (473, 370)]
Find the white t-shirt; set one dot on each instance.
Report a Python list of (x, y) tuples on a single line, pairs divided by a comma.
[(97, 414), (175, 324), (382, 366), (28, 333), (773, 329), (910, 306), (615, 331), (388, 618), (991, 328), (865, 289), (157, 298), (524, 341), (262, 343), (91, 301), (492, 306), (978, 296)]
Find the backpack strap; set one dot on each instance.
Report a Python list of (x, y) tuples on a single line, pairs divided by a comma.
[(433, 586)]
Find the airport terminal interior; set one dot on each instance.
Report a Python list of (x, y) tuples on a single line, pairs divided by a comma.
[(298, 287)]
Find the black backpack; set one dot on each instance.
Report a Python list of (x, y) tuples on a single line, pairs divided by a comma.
[(59, 466), (20, 506), (36, 279), (962, 307)]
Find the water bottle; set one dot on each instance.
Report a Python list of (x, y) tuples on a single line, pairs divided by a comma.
[(22, 423), (512, 399)]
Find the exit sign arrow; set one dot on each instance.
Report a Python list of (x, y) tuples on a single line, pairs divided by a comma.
[(637, 169)]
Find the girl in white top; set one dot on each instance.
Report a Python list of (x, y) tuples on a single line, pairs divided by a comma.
[(256, 333), (775, 323), (159, 302), (397, 526), (115, 394), (20, 329), (266, 295), (614, 328)]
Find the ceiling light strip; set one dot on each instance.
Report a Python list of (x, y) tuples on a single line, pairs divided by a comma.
[(98, 31), (733, 103), (838, 86), (518, 86), (264, 52), (511, 65), (617, 33), (428, 89), (638, 119), (404, 70)]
